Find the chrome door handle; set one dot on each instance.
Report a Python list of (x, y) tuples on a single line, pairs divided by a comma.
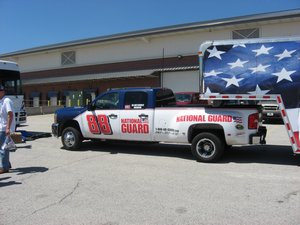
[(113, 116), (143, 117)]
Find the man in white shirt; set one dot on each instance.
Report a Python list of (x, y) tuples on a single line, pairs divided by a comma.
[(7, 125)]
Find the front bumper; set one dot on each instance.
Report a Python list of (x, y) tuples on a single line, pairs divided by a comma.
[(21, 117), (259, 137), (55, 129)]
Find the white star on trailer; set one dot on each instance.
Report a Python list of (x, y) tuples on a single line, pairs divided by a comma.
[(215, 53), (259, 68), (284, 75), (232, 81), (262, 51), (258, 91), (208, 92), (237, 63), (239, 45), (285, 54), (212, 73)]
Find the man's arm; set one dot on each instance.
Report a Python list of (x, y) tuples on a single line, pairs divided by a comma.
[(10, 117)]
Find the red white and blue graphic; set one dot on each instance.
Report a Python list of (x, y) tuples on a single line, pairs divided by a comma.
[(256, 69)]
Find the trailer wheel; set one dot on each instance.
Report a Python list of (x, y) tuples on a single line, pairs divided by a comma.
[(71, 138), (207, 147)]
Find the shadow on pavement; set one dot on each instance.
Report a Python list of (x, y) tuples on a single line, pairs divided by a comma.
[(21, 171), (267, 154), (32, 135), (26, 170), (139, 148), (8, 183)]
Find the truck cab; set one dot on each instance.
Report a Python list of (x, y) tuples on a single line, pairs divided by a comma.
[(118, 110)]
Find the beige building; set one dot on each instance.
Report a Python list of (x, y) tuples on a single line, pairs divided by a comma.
[(165, 56)]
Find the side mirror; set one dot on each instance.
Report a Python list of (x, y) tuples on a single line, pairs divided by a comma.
[(90, 106)]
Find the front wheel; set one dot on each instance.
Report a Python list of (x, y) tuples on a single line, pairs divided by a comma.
[(71, 138), (207, 147)]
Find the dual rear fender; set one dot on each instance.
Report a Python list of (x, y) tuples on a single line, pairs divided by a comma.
[(208, 141), (196, 129)]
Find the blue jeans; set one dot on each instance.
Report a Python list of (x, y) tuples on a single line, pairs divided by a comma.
[(4, 155)]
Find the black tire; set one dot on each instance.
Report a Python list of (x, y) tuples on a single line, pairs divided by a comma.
[(207, 147), (71, 138)]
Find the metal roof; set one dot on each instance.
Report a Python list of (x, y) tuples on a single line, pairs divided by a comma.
[(109, 75), (96, 76), (281, 15)]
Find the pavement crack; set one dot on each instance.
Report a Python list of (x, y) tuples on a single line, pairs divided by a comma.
[(52, 204), (69, 194), (60, 201), (288, 196)]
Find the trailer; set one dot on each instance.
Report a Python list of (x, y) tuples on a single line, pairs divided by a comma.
[(255, 70)]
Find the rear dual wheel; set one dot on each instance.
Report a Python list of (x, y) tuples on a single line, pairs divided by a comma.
[(207, 147)]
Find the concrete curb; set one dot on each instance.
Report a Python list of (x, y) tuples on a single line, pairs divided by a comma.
[(42, 110)]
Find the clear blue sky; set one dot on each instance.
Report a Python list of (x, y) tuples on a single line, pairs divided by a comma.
[(33, 23)]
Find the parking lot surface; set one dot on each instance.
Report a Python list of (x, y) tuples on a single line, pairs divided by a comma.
[(130, 183)]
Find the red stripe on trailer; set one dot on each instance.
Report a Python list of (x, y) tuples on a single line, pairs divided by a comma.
[(267, 97), (296, 138), (288, 127), (252, 96), (279, 99), (238, 96), (283, 113), (225, 96), (292, 140), (212, 96)]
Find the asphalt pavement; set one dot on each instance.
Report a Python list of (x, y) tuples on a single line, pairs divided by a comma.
[(121, 183)]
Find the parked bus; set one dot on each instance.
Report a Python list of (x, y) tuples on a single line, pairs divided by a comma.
[(10, 79)]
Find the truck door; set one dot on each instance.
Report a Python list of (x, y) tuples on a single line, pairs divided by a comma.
[(136, 118), (103, 121)]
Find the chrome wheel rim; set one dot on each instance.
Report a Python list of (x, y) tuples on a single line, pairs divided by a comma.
[(69, 139), (206, 148)]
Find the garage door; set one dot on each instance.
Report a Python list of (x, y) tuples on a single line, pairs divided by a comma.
[(181, 81)]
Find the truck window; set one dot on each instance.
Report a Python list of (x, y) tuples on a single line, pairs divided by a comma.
[(136, 100), (165, 97), (108, 101)]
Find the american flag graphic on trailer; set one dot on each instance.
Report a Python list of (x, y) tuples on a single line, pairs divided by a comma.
[(256, 69)]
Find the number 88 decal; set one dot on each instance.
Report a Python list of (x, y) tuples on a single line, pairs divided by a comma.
[(99, 124)]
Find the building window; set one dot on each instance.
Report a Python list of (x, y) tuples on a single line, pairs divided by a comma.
[(245, 33), (68, 58)]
